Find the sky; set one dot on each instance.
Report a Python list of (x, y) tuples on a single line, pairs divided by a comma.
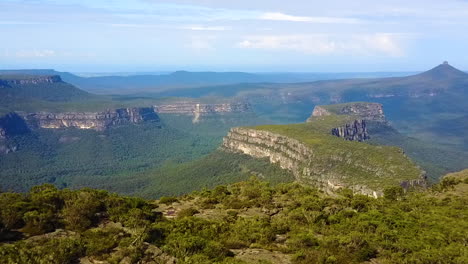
[(234, 35)]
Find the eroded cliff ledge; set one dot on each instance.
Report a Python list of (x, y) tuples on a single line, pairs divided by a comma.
[(316, 156), (361, 110), (29, 79), (197, 110), (190, 108), (97, 121)]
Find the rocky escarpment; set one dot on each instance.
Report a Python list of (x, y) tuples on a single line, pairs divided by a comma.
[(198, 110), (365, 111), (30, 80), (323, 167), (192, 108), (85, 120)]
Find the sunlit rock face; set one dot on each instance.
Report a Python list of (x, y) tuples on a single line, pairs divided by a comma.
[(198, 110), (365, 111), (190, 108), (86, 120)]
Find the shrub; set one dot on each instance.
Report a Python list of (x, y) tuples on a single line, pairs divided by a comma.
[(187, 212), (168, 200)]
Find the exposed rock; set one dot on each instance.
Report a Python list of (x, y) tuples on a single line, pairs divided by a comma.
[(96, 121), (365, 111), (198, 110), (320, 111), (190, 108), (356, 131)]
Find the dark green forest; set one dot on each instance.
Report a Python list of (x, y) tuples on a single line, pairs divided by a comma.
[(123, 159)]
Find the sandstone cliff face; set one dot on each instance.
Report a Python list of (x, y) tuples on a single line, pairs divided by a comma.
[(192, 108), (366, 111), (198, 110), (307, 165), (355, 131), (96, 121)]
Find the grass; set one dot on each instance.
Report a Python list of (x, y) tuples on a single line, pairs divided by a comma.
[(336, 108)]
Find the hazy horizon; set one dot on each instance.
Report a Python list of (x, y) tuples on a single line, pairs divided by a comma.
[(208, 35)]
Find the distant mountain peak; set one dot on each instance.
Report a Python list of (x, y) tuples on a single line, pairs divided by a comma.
[(444, 71)]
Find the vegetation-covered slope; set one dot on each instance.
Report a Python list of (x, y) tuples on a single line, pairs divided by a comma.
[(247, 222), (353, 163)]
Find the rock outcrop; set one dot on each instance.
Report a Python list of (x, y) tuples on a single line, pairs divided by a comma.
[(189, 108), (86, 120), (198, 110), (365, 111), (355, 131)]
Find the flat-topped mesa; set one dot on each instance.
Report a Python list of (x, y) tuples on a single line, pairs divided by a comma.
[(86, 120), (190, 108), (363, 110), (28, 80), (326, 162), (355, 129)]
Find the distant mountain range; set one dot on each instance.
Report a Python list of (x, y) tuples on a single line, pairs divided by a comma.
[(183, 79)]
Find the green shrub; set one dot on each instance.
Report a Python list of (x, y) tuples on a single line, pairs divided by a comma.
[(187, 212), (168, 200)]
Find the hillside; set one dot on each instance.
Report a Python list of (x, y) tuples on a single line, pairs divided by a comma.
[(246, 222)]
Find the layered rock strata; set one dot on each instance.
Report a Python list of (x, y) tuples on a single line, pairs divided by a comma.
[(192, 108), (97, 121), (198, 110), (365, 111)]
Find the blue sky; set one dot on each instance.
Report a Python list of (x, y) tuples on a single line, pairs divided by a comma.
[(220, 35)]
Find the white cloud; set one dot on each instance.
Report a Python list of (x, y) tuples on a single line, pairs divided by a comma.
[(205, 28), (323, 44), (322, 20), (35, 53), (201, 44)]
